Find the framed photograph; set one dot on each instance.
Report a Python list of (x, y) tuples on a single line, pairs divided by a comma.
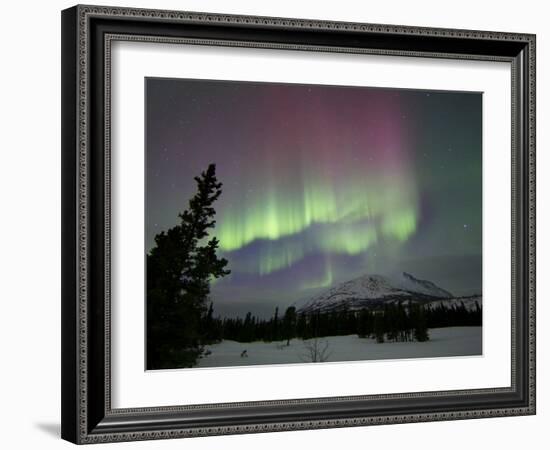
[(268, 222)]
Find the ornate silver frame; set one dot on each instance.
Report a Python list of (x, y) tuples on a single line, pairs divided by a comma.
[(88, 32)]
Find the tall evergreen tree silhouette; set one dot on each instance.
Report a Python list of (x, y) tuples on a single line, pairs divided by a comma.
[(289, 324), (179, 270), (420, 324)]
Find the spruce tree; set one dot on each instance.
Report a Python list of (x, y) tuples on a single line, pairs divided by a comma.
[(420, 324), (275, 329), (289, 324), (179, 270), (378, 327), (209, 331)]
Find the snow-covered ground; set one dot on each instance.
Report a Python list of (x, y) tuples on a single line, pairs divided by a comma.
[(452, 341)]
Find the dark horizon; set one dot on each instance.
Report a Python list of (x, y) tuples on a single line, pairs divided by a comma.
[(321, 184)]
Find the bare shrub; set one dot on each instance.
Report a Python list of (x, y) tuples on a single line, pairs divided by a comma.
[(316, 350)]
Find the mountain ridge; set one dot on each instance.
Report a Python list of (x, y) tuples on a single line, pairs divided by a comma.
[(372, 291)]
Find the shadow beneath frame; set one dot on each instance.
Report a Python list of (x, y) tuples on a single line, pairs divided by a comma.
[(53, 429)]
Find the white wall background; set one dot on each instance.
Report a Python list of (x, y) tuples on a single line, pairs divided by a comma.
[(30, 223)]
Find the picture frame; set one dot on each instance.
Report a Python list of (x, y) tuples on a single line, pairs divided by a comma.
[(88, 415)]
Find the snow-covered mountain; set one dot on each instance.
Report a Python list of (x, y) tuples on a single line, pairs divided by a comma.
[(411, 284), (372, 291)]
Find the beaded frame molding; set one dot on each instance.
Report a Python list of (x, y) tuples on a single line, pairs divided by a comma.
[(87, 35)]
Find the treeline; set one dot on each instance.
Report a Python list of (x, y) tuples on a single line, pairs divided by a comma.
[(392, 323), (456, 316)]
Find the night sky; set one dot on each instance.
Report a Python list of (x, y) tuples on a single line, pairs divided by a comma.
[(321, 184)]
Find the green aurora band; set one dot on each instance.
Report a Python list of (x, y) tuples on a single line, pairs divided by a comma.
[(338, 218)]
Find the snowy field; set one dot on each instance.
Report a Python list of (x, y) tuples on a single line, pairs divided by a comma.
[(452, 341)]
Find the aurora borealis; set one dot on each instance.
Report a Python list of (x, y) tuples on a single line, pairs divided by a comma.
[(320, 183)]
